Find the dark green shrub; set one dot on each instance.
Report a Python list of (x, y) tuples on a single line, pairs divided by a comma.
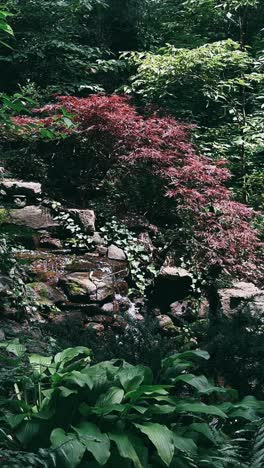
[(116, 414)]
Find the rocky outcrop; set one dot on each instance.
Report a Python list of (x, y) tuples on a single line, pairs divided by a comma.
[(172, 284), (115, 253), (166, 324), (93, 287), (44, 294), (32, 217), (85, 218), (19, 187), (242, 297), (78, 287)]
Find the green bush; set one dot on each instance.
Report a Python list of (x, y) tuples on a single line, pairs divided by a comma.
[(116, 414)]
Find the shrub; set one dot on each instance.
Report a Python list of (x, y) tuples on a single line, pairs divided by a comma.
[(109, 140), (120, 415), (188, 81)]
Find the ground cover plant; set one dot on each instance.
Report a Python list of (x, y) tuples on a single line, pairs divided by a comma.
[(118, 413)]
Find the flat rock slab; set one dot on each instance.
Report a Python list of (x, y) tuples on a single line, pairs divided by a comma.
[(241, 296), (32, 217), (45, 294), (78, 286), (84, 287), (19, 187)]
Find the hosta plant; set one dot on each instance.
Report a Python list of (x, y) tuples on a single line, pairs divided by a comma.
[(116, 414)]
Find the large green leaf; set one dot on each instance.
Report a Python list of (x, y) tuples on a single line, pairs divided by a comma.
[(198, 353), (68, 355), (6, 28), (133, 376), (27, 431), (200, 383), (125, 447), (147, 390), (87, 410), (14, 347), (183, 359), (40, 363), (184, 444), (197, 407), (68, 449), (100, 375), (80, 379), (114, 395), (251, 402), (161, 437), (161, 409), (15, 419), (95, 442), (205, 430), (66, 392)]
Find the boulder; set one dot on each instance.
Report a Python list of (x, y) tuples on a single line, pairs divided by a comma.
[(172, 284), (103, 319), (78, 286), (115, 253), (184, 310), (110, 308), (86, 219), (49, 242), (84, 286), (204, 309), (166, 324), (104, 289), (179, 309), (174, 273), (32, 217), (19, 187), (98, 239), (102, 250), (45, 294), (20, 201), (242, 297)]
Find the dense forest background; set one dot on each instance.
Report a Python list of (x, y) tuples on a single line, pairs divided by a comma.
[(131, 233)]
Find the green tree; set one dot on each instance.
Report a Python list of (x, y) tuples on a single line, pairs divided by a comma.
[(56, 45)]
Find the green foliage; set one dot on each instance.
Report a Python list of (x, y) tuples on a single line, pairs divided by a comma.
[(69, 47), (141, 267), (220, 86), (119, 414), (186, 81), (78, 240), (236, 349), (191, 23), (56, 45), (4, 26)]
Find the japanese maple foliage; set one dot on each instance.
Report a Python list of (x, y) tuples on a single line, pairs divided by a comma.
[(217, 229)]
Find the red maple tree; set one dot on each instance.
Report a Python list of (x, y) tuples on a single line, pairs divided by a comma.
[(219, 228)]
